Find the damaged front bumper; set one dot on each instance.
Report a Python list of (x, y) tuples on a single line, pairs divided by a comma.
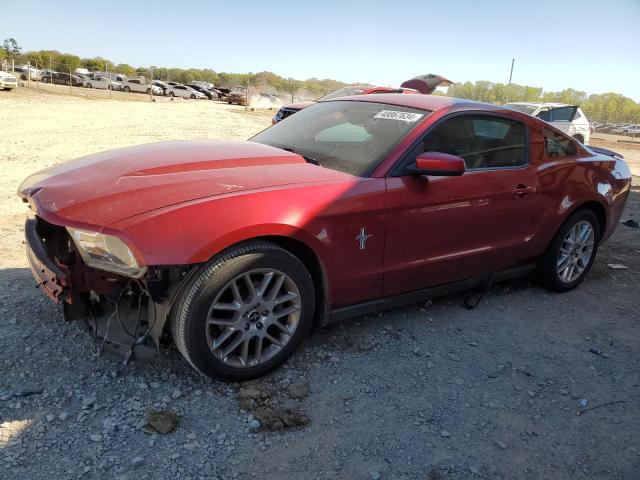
[(124, 314)]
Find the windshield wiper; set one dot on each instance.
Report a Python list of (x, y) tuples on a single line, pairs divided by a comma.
[(309, 159)]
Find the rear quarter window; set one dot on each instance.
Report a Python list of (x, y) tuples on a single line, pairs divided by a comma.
[(556, 145)]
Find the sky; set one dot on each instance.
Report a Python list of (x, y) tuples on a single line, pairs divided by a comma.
[(592, 46)]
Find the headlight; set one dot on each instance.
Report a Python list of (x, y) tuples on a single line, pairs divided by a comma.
[(106, 252)]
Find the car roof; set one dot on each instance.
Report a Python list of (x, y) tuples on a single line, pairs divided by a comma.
[(422, 102)]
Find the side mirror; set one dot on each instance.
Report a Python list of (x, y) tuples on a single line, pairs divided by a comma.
[(438, 164)]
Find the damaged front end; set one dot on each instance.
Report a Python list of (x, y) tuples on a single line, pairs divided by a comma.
[(125, 314)]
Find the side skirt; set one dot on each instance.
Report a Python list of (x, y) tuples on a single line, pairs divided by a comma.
[(415, 296)]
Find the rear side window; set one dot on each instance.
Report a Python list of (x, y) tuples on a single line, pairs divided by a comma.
[(481, 141), (556, 145), (563, 114)]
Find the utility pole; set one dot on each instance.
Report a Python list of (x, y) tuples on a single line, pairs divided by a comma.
[(513, 61), (293, 88)]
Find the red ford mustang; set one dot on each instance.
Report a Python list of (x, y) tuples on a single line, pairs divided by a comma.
[(235, 249)]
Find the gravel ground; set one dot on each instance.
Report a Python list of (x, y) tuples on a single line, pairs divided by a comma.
[(430, 391)]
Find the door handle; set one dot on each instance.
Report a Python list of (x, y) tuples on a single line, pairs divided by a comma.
[(522, 190)]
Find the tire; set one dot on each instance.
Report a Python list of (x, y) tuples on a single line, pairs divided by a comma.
[(127, 89), (196, 336), (66, 82), (89, 85), (548, 269), (192, 97), (171, 94), (45, 80)]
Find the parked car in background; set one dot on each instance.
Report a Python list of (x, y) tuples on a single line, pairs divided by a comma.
[(239, 96), (235, 249), (425, 84), (25, 73), (184, 92), (207, 93), (568, 118), (221, 92), (161, 85), (200, 83), (98, 81), (84, 77), (136, 85), (8, 81), (60, 78)]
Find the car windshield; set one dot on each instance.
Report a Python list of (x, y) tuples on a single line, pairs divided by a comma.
[(343, 92), (351, 137), (528, 109)]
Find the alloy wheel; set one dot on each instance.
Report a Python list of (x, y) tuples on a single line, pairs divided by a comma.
[(253, 317), (575, 252)]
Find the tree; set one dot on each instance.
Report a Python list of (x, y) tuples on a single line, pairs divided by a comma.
[(11, 47), (125, 69), (67, 63)]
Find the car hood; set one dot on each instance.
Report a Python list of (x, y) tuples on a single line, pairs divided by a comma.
[(107, 187)]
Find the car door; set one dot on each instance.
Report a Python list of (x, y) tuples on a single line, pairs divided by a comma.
[(445, 229)]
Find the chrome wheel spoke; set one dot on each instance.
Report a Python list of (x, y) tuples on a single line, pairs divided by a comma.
[(223, 337), (274, 340), (244, 356), (264, 284), (276, 288), (224, 322), (235, 291), (250, 287), (283, 328), (226, 306), (285, 298), (232, 346), (258, 350), (286, 311)]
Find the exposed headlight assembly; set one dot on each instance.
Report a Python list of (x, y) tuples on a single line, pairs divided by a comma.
[(106, 252)]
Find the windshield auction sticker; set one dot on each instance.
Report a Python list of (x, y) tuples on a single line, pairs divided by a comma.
[(396, 115)]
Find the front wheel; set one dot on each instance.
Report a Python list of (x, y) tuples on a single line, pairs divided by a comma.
[(192, 96), (571, 253), (127, 89), (171, 94), (89, 85), (245, 312)]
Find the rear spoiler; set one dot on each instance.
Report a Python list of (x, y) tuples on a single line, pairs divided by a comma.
[(604, 151)]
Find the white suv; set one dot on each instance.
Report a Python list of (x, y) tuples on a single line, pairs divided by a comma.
[(568, 118), (134, 85)]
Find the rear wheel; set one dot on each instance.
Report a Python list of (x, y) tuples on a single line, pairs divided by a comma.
[(171, 94), (89, 85), (245, 312), (571, 253)]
